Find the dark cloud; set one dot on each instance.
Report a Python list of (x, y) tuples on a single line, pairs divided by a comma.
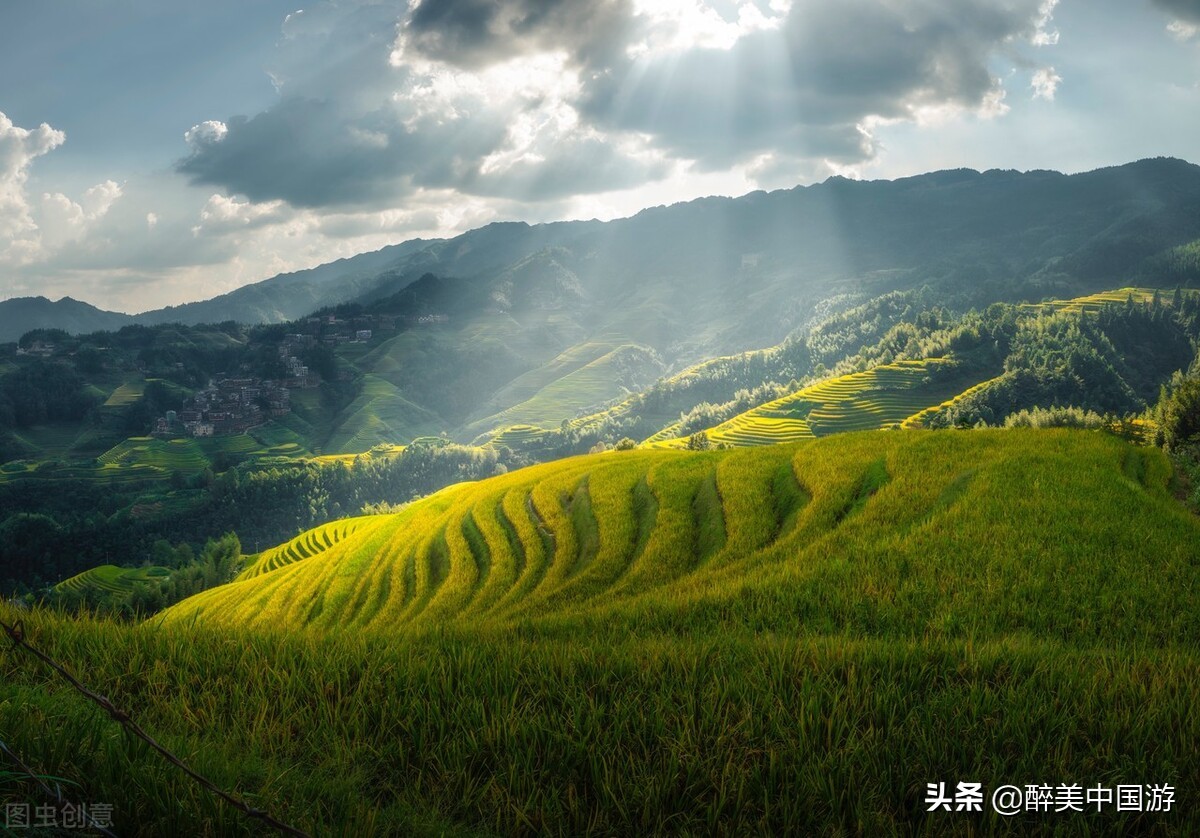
[(376, 102), (354, 126), (473, 33), (311, 153), (577, 165), (1188, 10), (805, 91)]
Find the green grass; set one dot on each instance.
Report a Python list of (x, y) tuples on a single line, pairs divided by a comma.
[(791, 639)]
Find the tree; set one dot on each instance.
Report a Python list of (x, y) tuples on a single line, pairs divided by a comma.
[(699, 442), (1178, 414)]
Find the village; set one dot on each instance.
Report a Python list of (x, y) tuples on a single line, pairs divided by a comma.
[(229, 406), (234, 405)]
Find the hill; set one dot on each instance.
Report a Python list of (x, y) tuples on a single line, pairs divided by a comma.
[(792, 639), (19, 315), (677, 533), (289, 296)]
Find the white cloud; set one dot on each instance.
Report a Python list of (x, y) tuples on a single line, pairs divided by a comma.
[(62, 221), (18, 149), (1045, 83), (222, 215), (151, 220), (679, 25), (35, 230), (207, 133), (1044, 35), (1182, 30)]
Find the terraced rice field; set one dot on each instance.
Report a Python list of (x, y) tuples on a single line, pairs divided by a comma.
[(668, 433), (602, 526), (1094, 302), (917, 420), (882, 397), (596, 533), (112, 475), (783, 640), (305, 546), (517, 437), (112, 579), (174, 455), (126, 394), (49, 441), (380, 414), (577, 386), (237, 445)]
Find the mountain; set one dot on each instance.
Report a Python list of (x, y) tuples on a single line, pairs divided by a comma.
[(291, 295), (22, 314), (723, 274)]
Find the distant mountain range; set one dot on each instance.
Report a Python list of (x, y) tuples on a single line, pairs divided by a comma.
[(726, 273)]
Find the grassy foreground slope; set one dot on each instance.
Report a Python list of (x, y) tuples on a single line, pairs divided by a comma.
[(790, 639)]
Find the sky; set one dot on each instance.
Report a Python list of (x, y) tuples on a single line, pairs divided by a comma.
[(153, 153)]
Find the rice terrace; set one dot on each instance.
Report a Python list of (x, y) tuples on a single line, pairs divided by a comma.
[(532, 418)]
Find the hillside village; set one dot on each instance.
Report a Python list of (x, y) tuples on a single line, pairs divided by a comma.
[(230, 406), (233, 405)]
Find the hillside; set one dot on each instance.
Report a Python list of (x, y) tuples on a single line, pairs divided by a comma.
[(621, 535), (777, 640), (513, 324)]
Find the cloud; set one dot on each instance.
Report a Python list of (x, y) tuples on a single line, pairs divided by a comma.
[(63, 221), (1045, 83), (477, 33), (809, 90), (1043, 35), (34, 230), (207, 133), (1184, 10), (19, 147), (1186, 14), (223, 215), (542, 100)]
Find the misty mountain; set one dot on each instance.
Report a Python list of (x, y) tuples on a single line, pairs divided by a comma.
[(22, 314), (722, 274), (291, 295)]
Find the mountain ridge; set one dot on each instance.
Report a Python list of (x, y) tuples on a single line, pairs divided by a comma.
[(1134, 196)]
